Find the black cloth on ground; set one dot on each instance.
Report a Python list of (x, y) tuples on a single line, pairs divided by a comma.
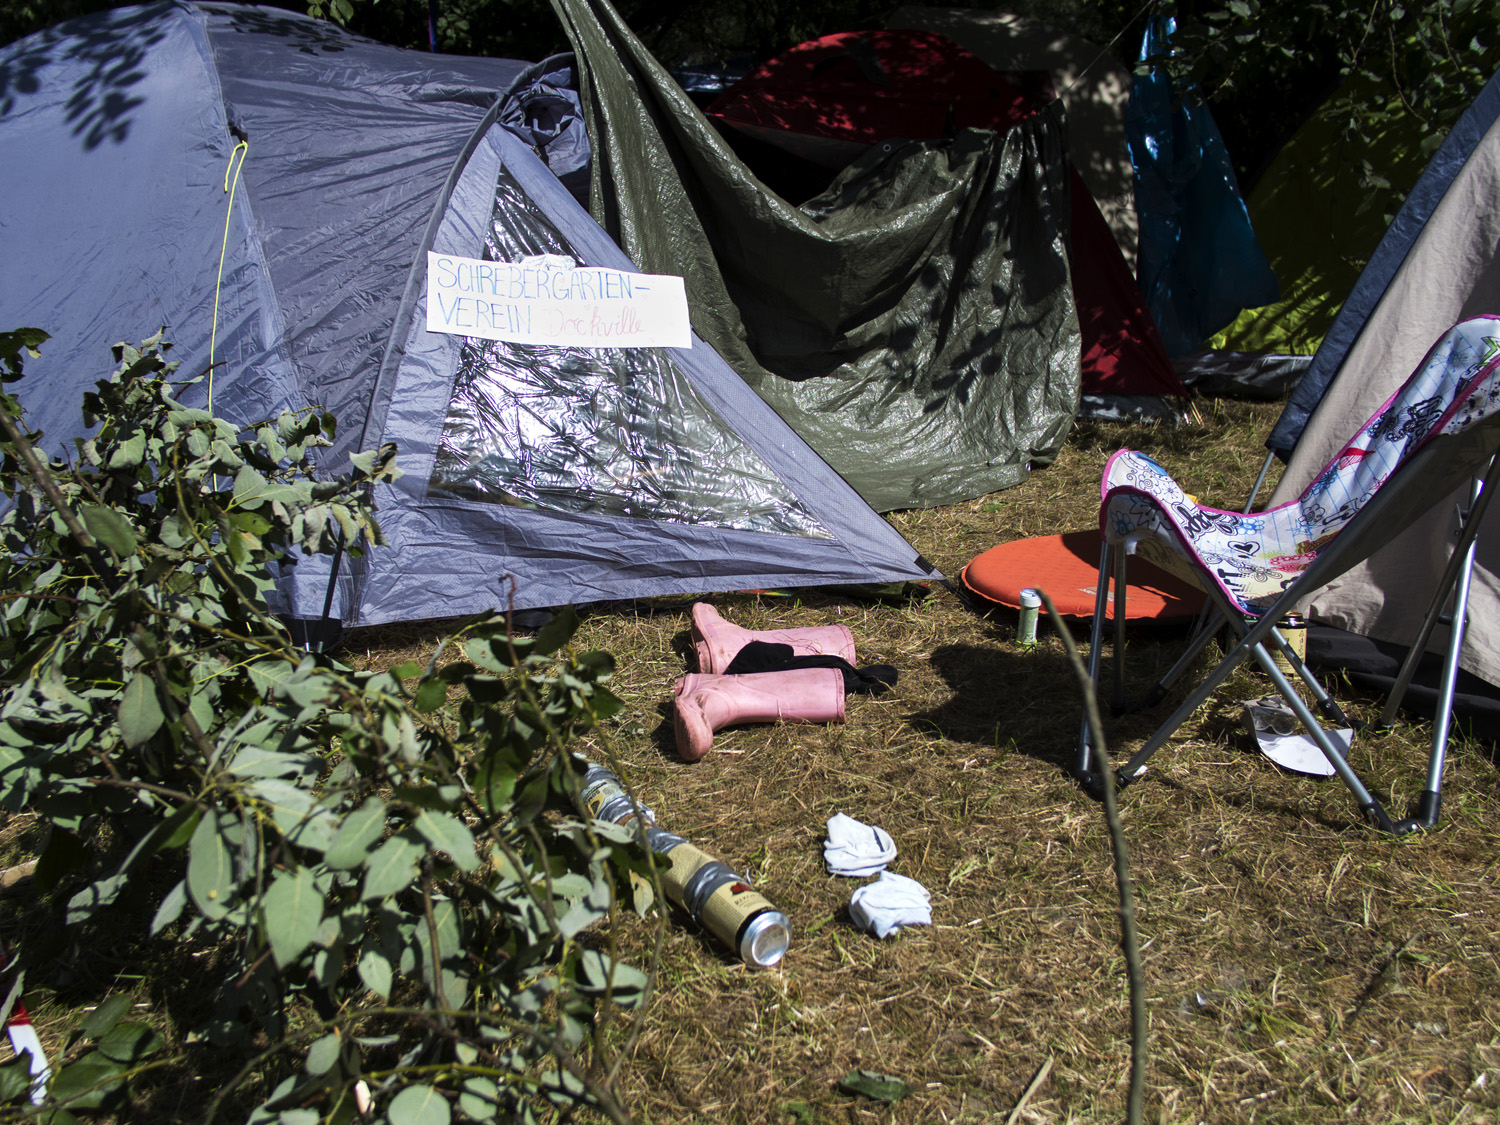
[(764, 656)]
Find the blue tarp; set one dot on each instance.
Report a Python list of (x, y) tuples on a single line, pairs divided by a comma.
[(1199, 262)]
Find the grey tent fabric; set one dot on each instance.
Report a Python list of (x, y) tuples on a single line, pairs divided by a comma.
[(535, 477), (1436, 274), (914, 323)]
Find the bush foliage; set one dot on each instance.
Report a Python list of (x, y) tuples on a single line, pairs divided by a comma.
[(381, 863)]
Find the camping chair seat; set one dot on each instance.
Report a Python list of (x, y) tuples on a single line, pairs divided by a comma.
[(1253, 557), (1256, 565)]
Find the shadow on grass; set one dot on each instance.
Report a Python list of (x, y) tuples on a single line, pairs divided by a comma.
[(1002, 697)]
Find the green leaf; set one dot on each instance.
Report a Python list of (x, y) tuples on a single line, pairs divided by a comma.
[(323, 1054), (130, 1042), (419, 1105), (129, 453), (621, 980), (248, 484), (268, 674), (93, 1082), (210, 874), (479, 1099), (291, 912), (361, 828), (12, 344), (103, 1018), (170, 909), (446, 833), (431, 694), (260, 761), (375, 971), (15, 1081), (392, 868), (495, 781), (111, 528), (140, 711), (557, 632), (873, 1084)]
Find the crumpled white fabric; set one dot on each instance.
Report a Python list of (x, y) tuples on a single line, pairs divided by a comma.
[(855, 849), (892, 901)]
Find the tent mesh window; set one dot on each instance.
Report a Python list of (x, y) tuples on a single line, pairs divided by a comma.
[(603, 431)]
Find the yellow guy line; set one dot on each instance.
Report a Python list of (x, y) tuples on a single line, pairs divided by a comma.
[(239, 150)]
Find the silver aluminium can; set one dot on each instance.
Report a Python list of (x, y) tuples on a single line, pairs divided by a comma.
[(1031, 611)]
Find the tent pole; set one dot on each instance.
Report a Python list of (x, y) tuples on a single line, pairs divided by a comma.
[(1460, 565), (1260, 480)]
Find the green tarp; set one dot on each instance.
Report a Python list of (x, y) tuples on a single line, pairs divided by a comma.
[(914, 324), (1318, 219)]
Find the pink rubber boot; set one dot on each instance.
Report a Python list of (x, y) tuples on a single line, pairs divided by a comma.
[(707, 703), (716, 641)]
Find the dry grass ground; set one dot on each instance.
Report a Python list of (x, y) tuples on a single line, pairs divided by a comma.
[(1299, 968)]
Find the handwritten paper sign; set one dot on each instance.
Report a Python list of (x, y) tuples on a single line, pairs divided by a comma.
[(548, 300)]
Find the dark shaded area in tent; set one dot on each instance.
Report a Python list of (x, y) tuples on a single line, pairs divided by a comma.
[(1374, 664), (845, 93), (913, 323)]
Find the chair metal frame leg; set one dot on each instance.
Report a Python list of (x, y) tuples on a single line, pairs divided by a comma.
[(1253, 644), (1083, 766), (1122, 561), (1457, 577)]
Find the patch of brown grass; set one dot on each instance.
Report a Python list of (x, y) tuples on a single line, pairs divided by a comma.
[(1299, 968)]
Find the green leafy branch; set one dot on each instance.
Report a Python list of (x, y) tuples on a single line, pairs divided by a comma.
[(369, 845)]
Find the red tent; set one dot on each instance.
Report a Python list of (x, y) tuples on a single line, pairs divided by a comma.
[(813, 109)]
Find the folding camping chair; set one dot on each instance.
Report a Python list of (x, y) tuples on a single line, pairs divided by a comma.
[(1441, 427)]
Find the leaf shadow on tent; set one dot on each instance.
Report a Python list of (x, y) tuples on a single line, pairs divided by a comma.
[(312, 36), (107, 57), (104, 59), (1022, 293)]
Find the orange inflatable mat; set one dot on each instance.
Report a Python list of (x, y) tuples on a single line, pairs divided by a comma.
[(1067, 567)]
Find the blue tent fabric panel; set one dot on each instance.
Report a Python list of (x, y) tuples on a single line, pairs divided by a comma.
[(114, 206), (358, 158)]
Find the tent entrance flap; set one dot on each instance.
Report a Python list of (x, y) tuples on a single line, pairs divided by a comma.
[(914, 323)]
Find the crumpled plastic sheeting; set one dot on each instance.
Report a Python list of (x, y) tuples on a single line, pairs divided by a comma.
[(915, 324), (601, 431)]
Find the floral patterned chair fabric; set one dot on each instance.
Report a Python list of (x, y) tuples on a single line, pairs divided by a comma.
[(1254, 557)]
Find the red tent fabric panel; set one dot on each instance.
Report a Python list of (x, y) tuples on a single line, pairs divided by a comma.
[(1123, 353), (867, 86), (1067, 567)]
